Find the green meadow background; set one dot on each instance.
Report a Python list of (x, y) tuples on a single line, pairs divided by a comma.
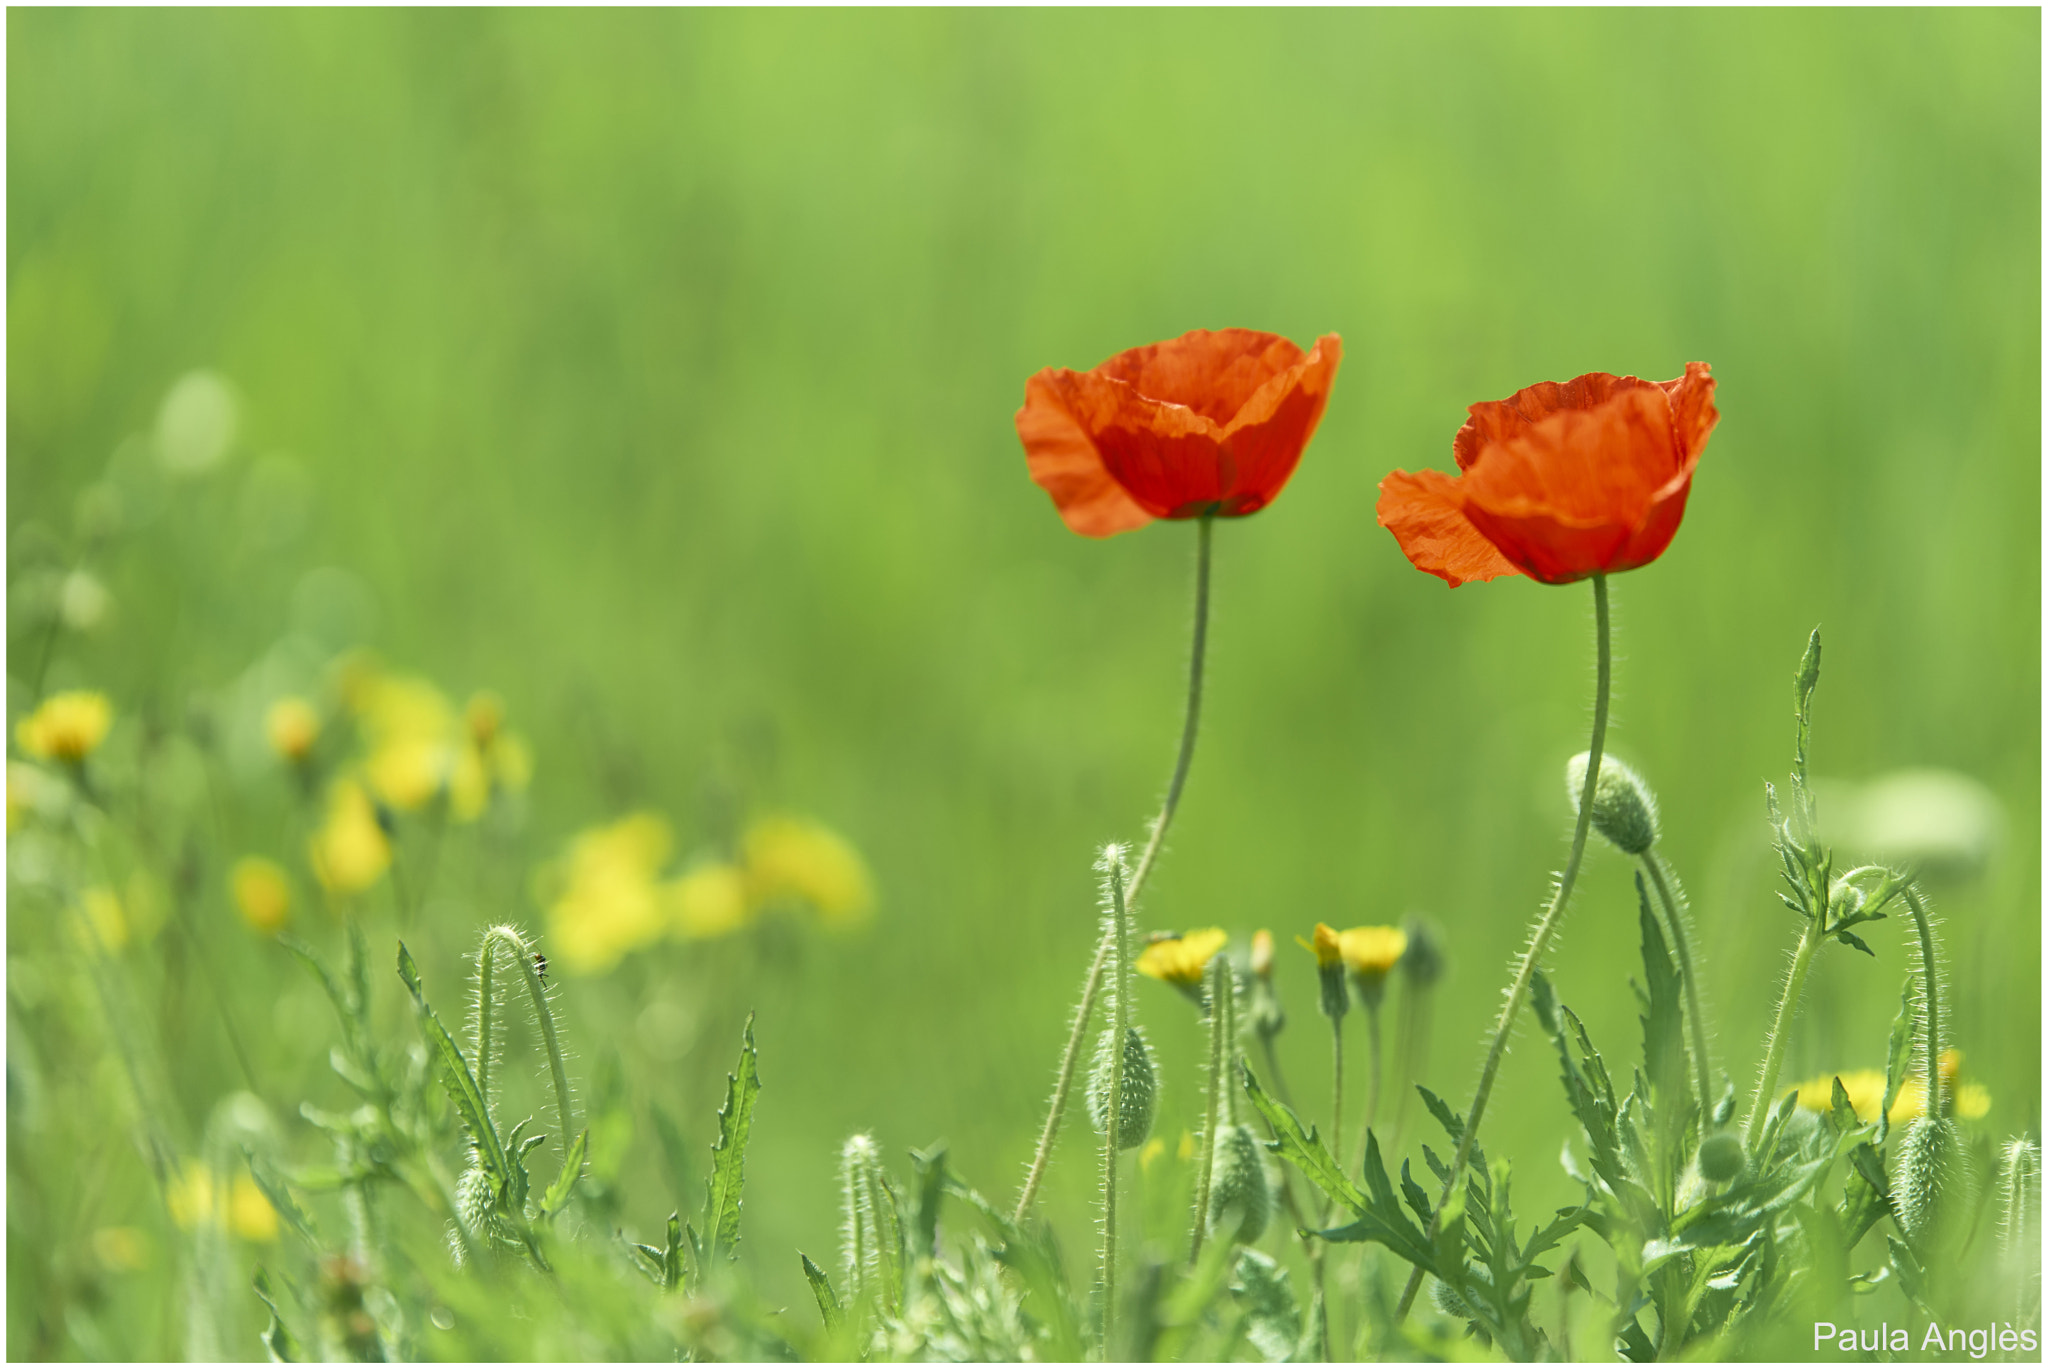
[(657, 371)]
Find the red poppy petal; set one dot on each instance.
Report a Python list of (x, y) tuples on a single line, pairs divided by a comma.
[(1270, 433), (1498, 420), (1066, 465), (1214, 373), (1166, 456), (1426, 514), (1693, 414)]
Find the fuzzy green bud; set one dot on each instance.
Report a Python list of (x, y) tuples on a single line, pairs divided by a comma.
[(1624, 809), (1447, 1300), (1140, 1089), (1422, 964), (1241, 1194), (1721, 1158), (1933, 1184), (2019, 1189)]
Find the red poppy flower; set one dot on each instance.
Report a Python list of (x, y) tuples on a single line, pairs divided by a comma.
[(1206, 423), (1558, 482)]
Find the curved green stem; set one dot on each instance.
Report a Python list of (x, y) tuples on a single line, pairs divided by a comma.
[(1337, 1090), (1372, 1046), (521, 951), (1205, 1165), (1071, 1056), (1539, 939), (1930, 997), (1112, 1141), (1774, 1056), (1681, 945)]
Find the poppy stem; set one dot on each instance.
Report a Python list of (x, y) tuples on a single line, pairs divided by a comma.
[(1372, 1091), (1774, 1057), (1071, 1057), (1681, 944), (1930, 997), (1539, 939), (1205, 1163), (1112, 1140), (1337, 1089)]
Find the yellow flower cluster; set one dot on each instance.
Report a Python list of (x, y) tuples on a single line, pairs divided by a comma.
[(1368, 952), (199, 1197), (262, 892), (67, 727), (607, 895), (349, 852), (1866, 1092)]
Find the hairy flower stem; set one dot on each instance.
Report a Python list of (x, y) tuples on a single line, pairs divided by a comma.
[(1539, 940), (1219, 967), (1681, 944), (521, 952), (1930, 998), (1774, 1056), (1071, 1057), (1112, 1140), (1372, 1046), (1337, 1089)]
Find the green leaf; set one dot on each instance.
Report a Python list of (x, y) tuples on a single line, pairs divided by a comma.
[(1898, 1055), (1867, 1194), (457, 1079), (558, 1192), (1663, 1020), (729, 1154), (1912, 1279), (672, 1253), (930, 1167), (282, 1345), (821, 1289), (273, 1186), (1841, 1112), (1273, 1317), (1303, 1149)]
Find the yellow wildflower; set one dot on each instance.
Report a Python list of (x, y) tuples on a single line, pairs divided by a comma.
[(1866, 1092), (411, 731), (710, 901), (191, 1196), (250, 1214), (609, 902), (1328, 945), (262, 893), (292, 727), (350, 851), (1182, 959), (101, 924), (490, 759), (485, 714), (1262, 953), (121, 1249), (1148, 1156), (1372, 952), (68, 727), (1185, 1151), (795, 857)]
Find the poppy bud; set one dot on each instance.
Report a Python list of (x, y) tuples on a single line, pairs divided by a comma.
[(1624, 809), (1422, 964), (2019, 1186), (1140, 1094), (1241, 1194), (1933, 1183), (1447, 1300), (1721, 1158)]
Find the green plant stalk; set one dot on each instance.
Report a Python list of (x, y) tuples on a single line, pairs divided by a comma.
[(1337, 1089), (1681, 943), (1206, 1165), (1539, 940), (1120, 1021), (1372, 1046), (1930, 997), (1774, 1057), (1070, 1058), (521, 951)]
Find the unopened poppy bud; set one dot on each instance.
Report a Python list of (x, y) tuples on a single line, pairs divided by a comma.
[(1422, 964), (1140, 1094), (2019, 1185), (1447, 1300), (1624, 809), (1721, 1158), (1241, 1194), (1933, 1184)]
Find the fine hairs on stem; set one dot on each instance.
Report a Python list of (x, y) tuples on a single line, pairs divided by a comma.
[(491, 987), (1120, 1026), (1539, 938), (1190, 725), (1217, 987)]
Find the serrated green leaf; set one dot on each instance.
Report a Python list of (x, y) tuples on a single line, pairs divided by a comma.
[(1451, 1122), (274, 1188), (651, 1260), (672, 1253), (923, 1230), (1912, 1279), (282, 1346), (557, 1196), (1849, 938), (1418, 1200), (729, 1153), (457, 1079), (821, 1289), (1272, 1316), (1303, 1149), (1663, 1019), (1841, 1111)]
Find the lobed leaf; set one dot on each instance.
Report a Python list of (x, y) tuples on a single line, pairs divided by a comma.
[(457, 1079), (1304, 1149), (729, 1152)]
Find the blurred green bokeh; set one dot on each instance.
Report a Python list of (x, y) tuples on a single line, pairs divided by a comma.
[(657, 370)]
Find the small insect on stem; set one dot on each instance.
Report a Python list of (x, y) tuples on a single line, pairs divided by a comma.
[(540, 966)]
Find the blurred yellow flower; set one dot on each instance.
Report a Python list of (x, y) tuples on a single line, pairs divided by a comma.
[(262, 893), (101, 924), (1262, 953), (24, 786), (1866, 1092), (490, 759), (350, 851), (292, 727), (121, 1249), (1182, 959), (609, 901), (1328, 946), (68, 727), (1149, 1156), (796, 857), (1186, 1149), (1372, 952), (196, 1194), (485, 714), (410, 728), (710, 901)]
